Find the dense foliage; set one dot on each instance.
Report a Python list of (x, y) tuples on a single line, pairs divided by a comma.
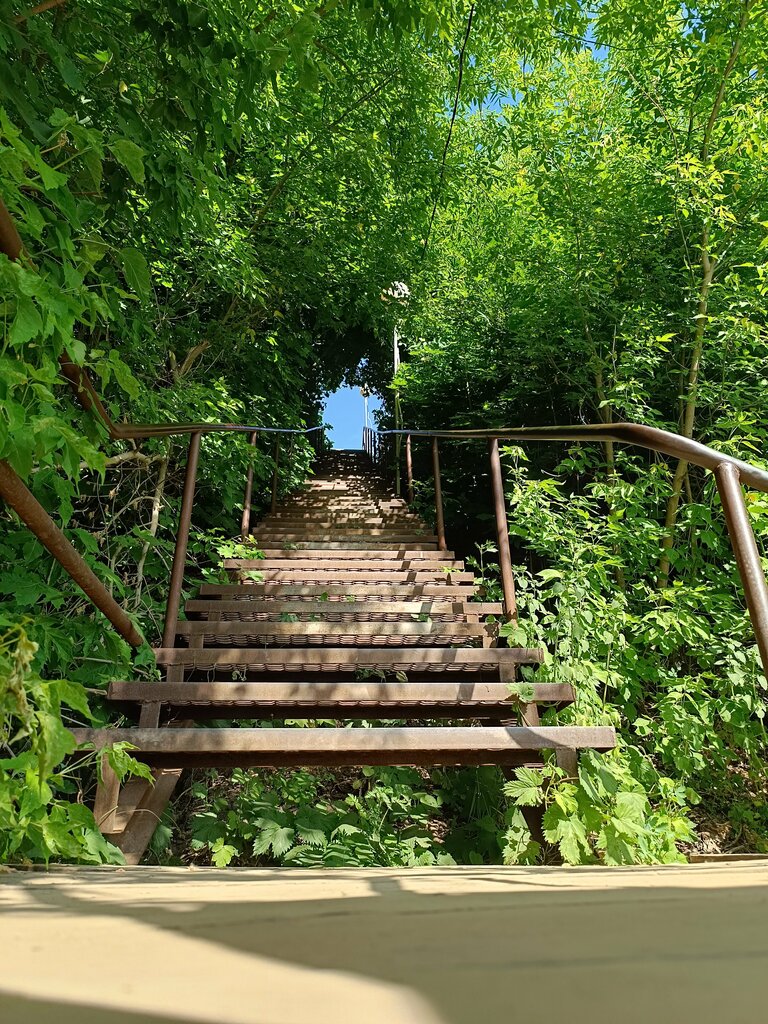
[(212, 199)]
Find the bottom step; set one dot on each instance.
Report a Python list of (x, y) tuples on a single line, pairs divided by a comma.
[(212, 748)]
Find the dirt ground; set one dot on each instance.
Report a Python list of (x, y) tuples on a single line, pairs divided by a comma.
[(424, 946)]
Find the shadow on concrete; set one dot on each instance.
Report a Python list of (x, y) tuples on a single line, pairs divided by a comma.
[(530, 949)]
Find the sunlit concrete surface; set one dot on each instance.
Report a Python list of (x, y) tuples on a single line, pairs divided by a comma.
[(425, 946)]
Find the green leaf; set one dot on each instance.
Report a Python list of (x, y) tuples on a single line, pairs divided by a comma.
[(130, 156), (27, 324), (223, 853), (123, 375), (572, 841), (136, 271), (526, 788), (73, 695)]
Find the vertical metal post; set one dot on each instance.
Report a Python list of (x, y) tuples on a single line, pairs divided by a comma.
[(409, 469), (276, 457), (502, 531), (182, 541), (245, 524), (439, 519), (747, 555)]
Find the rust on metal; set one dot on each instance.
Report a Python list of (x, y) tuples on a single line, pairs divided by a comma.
[(409, 469), (747, 555), (15, 493), (182, 541), (275, 471), (245, 523), (439, 517), (502, 531), (652, 438)]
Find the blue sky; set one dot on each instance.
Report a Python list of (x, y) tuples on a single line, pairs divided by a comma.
[(344, 412)]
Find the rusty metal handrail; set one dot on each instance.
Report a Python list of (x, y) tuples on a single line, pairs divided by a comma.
[(729, 475), (26, 506), (654, 439)]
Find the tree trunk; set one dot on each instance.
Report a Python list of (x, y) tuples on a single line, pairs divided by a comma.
[(689, 409)]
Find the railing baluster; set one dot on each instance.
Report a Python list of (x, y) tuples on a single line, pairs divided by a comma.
[(502, 531), (182, 542), (747, 555), (439, 518), (409, 469), (245, 523), (276, 457)]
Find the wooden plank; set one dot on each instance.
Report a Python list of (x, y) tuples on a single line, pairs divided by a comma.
[(459, 691), (345, 746), (377, 529), (107, 797), (354, 555), (337, 591), (428, 659), (235, 628), (323, 561), (373, 609), (294, 574), (278, 546), (138, 832), (321, 540)]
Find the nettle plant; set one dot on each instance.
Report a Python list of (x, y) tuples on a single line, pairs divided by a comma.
[(288, 817), (674, 669), (42, 816)]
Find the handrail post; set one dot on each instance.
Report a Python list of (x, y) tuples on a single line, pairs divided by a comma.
[(17, 495), (245, 523), (276, 457), (502, 531), (439, 518), (182, 541), (747, 555), (409, 469)]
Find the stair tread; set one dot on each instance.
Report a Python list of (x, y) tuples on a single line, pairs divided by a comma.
[(321, 555), (382, 574), (349, 746), (257, 606), (380, 591), (346, 659), (293, 561), (464, 691), (330, 632)]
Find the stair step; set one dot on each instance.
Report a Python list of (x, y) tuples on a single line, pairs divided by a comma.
[(365, 634), (376, 525), (363, 574), (362, 556), (346, 546), (344, 659), (420, 745), (327, 561), (339, 591), (319, 699), (367, 610)]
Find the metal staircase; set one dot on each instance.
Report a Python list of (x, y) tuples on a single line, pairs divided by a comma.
[(353, 613)]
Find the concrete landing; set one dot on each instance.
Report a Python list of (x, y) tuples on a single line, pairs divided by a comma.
[(426, 946)]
